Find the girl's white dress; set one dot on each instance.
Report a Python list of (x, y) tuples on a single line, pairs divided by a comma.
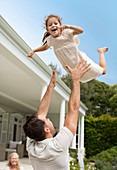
[(67, 52)]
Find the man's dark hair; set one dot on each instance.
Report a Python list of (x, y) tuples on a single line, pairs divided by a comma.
[(34, 128)]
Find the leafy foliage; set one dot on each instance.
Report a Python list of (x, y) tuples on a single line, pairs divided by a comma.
[(74, 162), (54, 67), (67, 79), (99, 97), (107, 155), (106, 160), (100, 134)]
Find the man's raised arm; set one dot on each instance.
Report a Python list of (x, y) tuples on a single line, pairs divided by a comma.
[(74, 101), (45, 102)]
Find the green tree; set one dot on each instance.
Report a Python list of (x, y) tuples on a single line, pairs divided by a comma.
[(67, 79), (54, 67), (99, 97), (113, 104)]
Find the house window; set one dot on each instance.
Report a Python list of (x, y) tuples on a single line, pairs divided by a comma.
[(14, 132)]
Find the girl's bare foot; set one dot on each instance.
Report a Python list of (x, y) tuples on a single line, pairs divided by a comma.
[(102, 50)]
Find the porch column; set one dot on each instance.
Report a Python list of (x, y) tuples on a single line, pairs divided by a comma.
[(74, 142), (44, 88), (82, 131), (81, 143), (62, 114), (79, 132)]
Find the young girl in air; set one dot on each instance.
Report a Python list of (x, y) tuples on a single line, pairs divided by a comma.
[(64, 41)]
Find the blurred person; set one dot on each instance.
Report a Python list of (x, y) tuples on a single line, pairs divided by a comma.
[(13, 162)]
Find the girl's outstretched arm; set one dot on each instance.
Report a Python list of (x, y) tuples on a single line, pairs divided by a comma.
[(76, 29), (41, 48)]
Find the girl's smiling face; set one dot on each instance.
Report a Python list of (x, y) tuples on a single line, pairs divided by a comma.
[(53, 27)]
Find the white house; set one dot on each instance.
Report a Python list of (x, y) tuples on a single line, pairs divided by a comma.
[(23, 82)]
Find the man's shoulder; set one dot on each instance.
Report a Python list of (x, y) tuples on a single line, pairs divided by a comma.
[(64, 134), (63, 139), (65, 129)]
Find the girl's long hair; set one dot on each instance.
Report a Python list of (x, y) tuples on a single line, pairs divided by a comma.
[(9, 161), (46, 22)]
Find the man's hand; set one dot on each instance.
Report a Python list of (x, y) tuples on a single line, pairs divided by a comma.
[(53, 79), (74, 101), (45, 102), (79, 70)]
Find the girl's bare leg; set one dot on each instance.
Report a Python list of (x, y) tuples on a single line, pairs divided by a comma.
[(102, 61)]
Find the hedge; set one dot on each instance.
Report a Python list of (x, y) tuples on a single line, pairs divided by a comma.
[(100, 134)]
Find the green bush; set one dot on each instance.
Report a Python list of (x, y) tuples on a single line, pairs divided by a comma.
[(103, 166), (106, 160), (73, 153), (100, 134), (74, 163), (108, 155), (98, 164)]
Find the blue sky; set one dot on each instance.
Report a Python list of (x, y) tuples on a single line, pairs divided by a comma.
[(98, 18)]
